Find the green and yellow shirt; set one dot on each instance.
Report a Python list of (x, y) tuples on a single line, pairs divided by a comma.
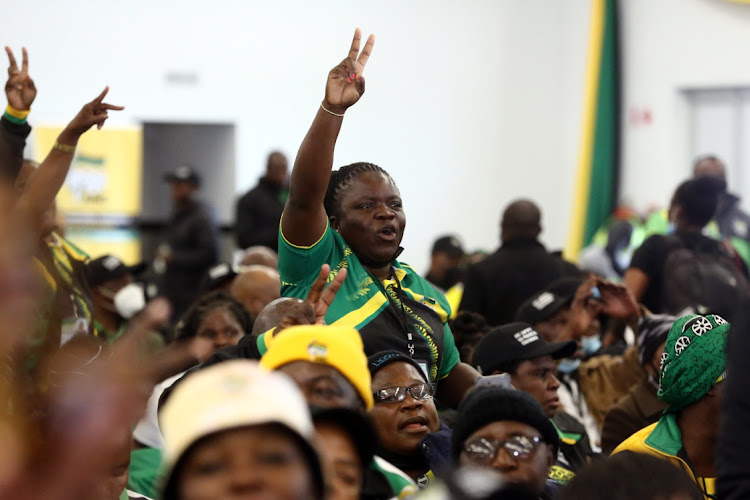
[(404, 313), (664, 440)]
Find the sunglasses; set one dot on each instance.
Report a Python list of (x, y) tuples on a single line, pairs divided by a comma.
[(419, 392), (484, 451)]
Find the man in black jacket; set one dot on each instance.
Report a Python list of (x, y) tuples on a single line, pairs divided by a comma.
[(733, 222), (259, 210), (191, 245), (498, 285)]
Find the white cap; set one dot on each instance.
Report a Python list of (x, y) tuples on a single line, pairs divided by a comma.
[(227, 395)]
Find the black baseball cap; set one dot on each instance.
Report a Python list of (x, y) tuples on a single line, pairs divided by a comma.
[(516, 342), (183, 173), (542, 305), (217, 276), (449, 245), (108, 268)]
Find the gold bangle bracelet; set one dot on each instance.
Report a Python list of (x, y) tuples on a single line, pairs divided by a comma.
[(64, 147), (330, 112)]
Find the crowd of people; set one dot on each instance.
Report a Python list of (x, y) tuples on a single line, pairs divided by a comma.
[(321, 366)]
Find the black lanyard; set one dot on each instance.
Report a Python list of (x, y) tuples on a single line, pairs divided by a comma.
[(399, 310)]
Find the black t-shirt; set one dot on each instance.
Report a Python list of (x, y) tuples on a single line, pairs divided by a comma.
[(652, 255)]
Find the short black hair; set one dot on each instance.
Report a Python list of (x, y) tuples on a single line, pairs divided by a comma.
[(628, 475), (699, 198), (189, 323), (341, 179)]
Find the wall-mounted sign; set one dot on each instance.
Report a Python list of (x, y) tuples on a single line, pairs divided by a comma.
[(105, 176)]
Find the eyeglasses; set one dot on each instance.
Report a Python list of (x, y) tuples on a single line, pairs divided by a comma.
[(419, 392), (484, 451)]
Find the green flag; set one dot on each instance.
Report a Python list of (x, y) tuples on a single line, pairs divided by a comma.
[(596, 188)]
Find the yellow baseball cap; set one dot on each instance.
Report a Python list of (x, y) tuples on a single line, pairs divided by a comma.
[(337, 346)]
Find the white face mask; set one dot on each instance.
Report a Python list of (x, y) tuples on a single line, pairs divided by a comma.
[(108, 294), (568, 365), (130, 300), (591, 344)]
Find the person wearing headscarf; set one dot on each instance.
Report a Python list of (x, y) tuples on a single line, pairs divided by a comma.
[(691, 371)]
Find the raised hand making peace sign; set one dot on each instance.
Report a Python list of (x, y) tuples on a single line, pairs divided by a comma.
[(357, 217), (313, 309), (19, 89), (345, 82)]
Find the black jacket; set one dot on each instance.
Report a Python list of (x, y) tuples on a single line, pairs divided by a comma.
[(436, 449), (733, 453), (497, 286), (258, 215), (575, 448), (638, 409), (434, 456), (732, 221), (192, 237), (12, 142)]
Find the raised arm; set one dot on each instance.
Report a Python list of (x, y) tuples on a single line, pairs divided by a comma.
[(20, 92), (42, 187), (304, 219)]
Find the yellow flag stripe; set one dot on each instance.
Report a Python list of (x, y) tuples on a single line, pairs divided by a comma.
[(583, 173), (358, 316)]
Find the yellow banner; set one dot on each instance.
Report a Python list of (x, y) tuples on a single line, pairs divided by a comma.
[(105, 176), (96, 242)]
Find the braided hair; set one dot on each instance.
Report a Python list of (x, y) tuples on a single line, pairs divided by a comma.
[(191, 321), (342, 179)]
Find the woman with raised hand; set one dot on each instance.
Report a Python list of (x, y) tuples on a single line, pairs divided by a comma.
[(66, 308), (39, 186), (353, 219)]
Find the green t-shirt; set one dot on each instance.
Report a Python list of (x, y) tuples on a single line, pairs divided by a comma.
[(402, 313), (145, 469)]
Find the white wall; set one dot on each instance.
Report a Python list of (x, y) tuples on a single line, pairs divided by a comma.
[(469, 104), (669, 46)]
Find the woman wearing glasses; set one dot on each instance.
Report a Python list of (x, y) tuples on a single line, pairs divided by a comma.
[(410, 434), (507, 430)]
